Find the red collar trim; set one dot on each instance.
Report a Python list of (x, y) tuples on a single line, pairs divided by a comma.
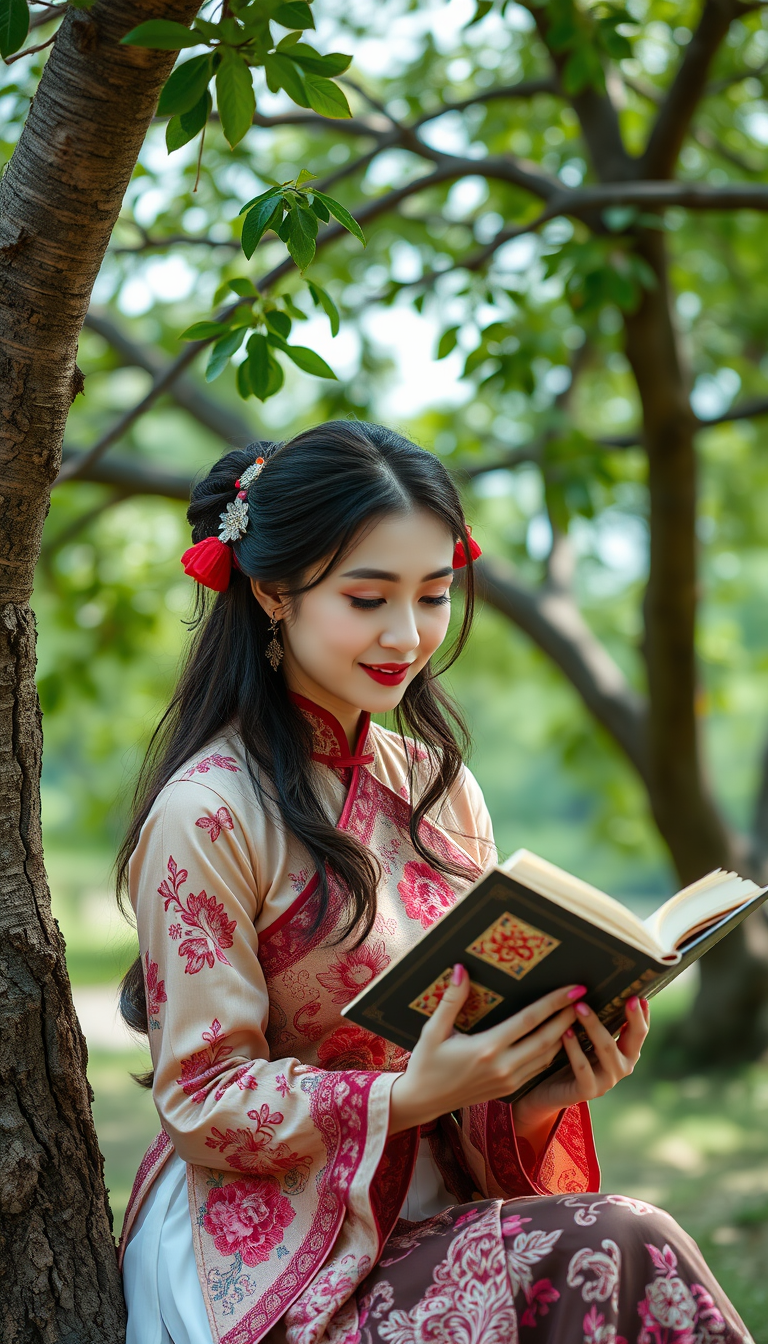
[(330, 740)]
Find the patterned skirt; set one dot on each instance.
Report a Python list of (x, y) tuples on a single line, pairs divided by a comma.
[(571, 1269)]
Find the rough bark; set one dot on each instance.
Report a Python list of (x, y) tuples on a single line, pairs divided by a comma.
[(59, 199)]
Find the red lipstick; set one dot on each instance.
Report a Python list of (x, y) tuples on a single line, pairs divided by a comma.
[(387, 674)]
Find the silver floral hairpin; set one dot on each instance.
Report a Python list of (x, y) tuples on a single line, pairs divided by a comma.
[(234, 519)]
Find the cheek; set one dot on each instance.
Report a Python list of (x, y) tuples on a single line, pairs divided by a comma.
[(328, 630), (434, 631)]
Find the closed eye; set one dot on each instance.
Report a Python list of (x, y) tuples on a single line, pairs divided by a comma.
[(367, 603)]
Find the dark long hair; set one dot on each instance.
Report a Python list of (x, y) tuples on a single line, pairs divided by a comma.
[(306, 511)]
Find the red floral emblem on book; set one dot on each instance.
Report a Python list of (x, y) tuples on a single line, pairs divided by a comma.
[(199, 1070), (215, 759), (426, 895), (203, 914), (215, 825), (155, 990), (258, 1151), (513, 945), (248, 1218), (356, 969)]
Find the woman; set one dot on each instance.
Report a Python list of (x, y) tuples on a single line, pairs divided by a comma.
[(312, 1182)]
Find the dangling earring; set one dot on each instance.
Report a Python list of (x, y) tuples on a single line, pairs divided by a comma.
[(274, 652)]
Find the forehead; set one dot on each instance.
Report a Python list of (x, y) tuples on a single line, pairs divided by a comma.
[(413, 541)]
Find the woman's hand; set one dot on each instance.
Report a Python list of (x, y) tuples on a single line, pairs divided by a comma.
[(585, 1079), (448, 1070)]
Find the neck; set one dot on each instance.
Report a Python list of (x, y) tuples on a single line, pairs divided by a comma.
[(347, 715)]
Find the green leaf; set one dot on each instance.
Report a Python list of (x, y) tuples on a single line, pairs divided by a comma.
[(325, 97), (483, 7), (223, 351), (258, 365), (583, 70), (333, 63), (305, 176), (244, 287), (301, 234), (243, 380), (320, 210), (14, 25), (342, 215), (323, 300), (185, 86), (265, 216), (235, 96), (271, 191), (447, 342), (161, 35), (180, 130), (294, 14), (309, 361), (275, 377), (204, 331), (282, 74), (278, 322), (291, 309)]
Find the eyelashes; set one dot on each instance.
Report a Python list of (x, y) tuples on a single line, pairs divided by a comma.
[(373, 603)]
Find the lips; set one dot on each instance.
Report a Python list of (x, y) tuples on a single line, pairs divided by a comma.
[(387, 674)]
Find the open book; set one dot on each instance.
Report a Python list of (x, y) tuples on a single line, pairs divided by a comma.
[(527, 927)]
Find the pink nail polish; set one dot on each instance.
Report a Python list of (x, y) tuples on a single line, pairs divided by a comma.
[(582, 1010), (633, 1003), (569, 1032), (458, 974), (577, 992)]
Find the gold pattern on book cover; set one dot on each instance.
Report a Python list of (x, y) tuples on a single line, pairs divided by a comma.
[(513, 946), (480, 1001)]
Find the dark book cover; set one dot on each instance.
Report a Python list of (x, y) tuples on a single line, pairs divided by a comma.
[(518, 945)]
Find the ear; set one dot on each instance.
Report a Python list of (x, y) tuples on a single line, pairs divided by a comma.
[(268, 597)]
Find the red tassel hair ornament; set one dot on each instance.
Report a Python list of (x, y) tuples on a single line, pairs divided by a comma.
[(460, 559), (210, 562)]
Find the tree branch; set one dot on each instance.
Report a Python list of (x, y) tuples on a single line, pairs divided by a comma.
[(686, 90), (552, 620), (596, 112), (219, 419), (132, 476)]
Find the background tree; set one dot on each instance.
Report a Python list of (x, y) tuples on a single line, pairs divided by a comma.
[(571, 196)]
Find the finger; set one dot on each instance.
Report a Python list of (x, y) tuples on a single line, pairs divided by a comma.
[(441, 1024), (583, 1073), (537, 1050), (609, 1057), (634, 1031), (528, 1019), (646, 1007)]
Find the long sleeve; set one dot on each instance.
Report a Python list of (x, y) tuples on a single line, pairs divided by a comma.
[(195, 884)]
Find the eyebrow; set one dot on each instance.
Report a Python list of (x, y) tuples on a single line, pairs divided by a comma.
[(394, 578)]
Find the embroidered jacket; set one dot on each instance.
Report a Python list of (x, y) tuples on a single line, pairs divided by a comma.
[(278, 1105)]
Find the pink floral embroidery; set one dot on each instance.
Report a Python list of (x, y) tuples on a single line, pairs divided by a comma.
[(202, 767), (257, 1150), (198, 1071), (215, 825), (175, 931), (670, 1304), (155, 991), (426, 895), (346, 977), (203, 913), (539, 1297), (350, 1047), (599, 1331), (282, 1085), (248, 1218)]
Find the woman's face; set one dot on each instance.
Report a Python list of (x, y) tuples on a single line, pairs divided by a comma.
[(356, 640)]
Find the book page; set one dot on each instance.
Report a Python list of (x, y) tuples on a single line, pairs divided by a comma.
[(589, 902), (697, 905)]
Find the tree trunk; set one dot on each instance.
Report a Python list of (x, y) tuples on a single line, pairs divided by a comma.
[(59, 199), (734, 982)]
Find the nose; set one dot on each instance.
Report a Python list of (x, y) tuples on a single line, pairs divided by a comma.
[(402, 632)]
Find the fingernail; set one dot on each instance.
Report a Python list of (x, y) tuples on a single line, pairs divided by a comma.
[(645, 1003), (458, 974), (582, 1010), (568, 1032), (633, 1003), (577, 992)]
